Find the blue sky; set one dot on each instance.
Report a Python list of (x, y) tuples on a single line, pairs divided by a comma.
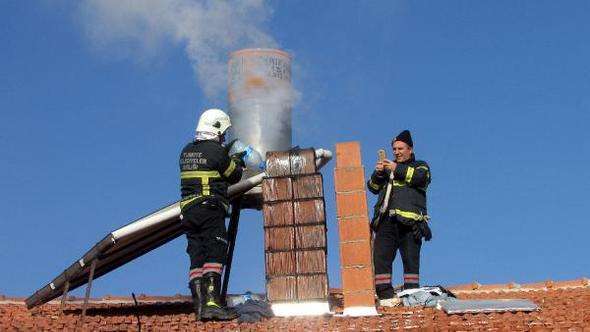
[(496, 94)]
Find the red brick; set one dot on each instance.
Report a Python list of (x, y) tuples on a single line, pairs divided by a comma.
[(311, 261), (356, 279), (303, 162), (309, 212), (355, 228), (308, 186), (277, 163), (349, 179), (279, 238), (360, 299), (348, 154), (280, 263), (276, 189), (285, 163), (353, 223), (281, 288), (276, 214), (312, 287), (355, 253), (310, 236), (351, 204)]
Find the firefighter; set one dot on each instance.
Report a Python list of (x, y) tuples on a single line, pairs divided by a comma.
[(401, 223), (206, 171)]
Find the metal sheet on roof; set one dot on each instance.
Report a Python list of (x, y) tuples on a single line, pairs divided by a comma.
[(454, 306)]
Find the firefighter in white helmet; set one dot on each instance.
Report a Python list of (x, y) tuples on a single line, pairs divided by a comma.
[(206, 171)]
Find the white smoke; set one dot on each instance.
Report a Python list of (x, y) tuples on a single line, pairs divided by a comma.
[(207, 29), (262, 100)]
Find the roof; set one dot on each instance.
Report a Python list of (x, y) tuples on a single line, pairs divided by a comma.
[(564, 305)]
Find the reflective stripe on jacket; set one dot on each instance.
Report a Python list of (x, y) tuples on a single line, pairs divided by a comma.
[(206, 171), (408, 194)]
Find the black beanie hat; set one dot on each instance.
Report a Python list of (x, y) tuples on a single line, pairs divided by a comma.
[(405, 137)]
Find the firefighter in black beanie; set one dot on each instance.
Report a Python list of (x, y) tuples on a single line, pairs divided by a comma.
[(402, 221), (206, 171)]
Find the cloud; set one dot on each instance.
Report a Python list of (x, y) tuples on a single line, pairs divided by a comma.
[(207, 30)]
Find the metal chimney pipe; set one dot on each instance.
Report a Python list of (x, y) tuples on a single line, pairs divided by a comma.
[(260, 98)]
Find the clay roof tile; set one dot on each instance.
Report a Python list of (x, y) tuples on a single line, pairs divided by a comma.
[(564, 305)]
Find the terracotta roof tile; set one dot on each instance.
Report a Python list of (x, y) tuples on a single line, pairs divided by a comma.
[(564, 306)]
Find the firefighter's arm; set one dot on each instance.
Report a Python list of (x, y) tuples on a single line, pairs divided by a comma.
[(414, 176), (230, 169), (377, 181)]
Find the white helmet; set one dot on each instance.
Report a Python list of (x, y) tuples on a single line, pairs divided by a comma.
[(213, 121)]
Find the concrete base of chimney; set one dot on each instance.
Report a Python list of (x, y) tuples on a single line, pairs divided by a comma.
[(360, 311), (300, 309)]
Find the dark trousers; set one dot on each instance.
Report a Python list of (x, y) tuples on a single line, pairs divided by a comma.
[(205, 231), (391, 236)]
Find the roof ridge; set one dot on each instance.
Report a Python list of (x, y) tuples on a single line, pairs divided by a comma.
[(513, 286)]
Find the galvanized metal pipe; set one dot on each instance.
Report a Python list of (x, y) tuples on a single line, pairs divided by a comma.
[(260, 98)]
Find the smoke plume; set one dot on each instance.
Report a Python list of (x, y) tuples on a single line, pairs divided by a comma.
[(207, 29)]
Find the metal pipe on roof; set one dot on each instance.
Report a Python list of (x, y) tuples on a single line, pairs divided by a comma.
[(260, 98)]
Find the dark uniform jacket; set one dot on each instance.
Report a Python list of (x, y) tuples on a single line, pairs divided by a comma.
[(408, 193), (206, 171)]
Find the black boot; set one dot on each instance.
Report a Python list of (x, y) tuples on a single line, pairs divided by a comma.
[(213, 308), (195, 286), (384, 291), (411, 285)]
